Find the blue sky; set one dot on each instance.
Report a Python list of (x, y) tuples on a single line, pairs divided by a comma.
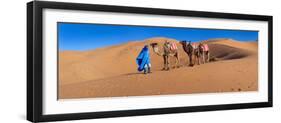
[(78, 36)]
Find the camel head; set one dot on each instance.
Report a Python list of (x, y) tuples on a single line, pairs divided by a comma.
[(153, 45), (155, 48), (184, 42)]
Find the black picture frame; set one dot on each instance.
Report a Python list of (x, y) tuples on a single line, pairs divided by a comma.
[(35, 69)]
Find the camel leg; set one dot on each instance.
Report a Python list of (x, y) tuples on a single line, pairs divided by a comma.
[(203, 56), (165, 67), (177, 60), (174, 64), (168, 63), (190, 60), (193, 60), (164, 59), (208, 56), (198, 59)]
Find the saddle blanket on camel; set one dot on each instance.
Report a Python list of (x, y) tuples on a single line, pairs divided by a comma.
[(204, 46), (174, 46), (194, 45)]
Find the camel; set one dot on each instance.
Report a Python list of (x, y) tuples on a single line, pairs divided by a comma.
[(191, 51), (204, 51), (166, 54)]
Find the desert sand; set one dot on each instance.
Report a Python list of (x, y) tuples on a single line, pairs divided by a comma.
[(112, 71)]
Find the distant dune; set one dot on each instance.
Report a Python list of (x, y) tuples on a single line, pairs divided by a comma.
[(112, 71)]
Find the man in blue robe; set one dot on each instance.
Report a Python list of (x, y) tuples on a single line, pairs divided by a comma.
[(143, 60)]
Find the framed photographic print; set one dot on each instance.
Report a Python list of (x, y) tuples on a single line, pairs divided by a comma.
[(95, 61)]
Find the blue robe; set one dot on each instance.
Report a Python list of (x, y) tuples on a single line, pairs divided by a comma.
[(143, 58)]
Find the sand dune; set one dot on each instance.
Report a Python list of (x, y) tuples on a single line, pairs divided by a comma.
[(112, 71)]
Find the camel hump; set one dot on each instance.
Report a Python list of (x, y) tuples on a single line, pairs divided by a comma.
[(173, 46), (205, 47), (194, 45)]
